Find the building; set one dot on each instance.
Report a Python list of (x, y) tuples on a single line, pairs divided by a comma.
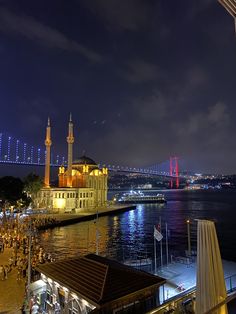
[(82, 186), (94, 284)]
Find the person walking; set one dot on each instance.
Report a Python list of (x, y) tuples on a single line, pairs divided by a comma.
[(6, 271), (1, 272), (19, 273)]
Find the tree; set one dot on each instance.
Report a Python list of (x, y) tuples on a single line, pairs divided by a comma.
[(11, 190), (32, 185)]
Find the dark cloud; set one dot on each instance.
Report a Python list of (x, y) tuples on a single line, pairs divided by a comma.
[(139, 71), (122, 15), (32, 29)]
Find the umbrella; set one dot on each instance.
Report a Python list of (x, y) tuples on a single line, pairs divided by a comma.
[(210, 289)]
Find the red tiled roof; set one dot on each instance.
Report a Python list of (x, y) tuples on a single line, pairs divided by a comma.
[(98, 279)]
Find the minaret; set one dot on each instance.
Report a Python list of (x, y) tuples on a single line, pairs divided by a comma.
[(48, 144), (70, 141)]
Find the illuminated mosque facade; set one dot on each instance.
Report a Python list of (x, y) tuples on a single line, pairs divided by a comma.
[(81, 187)]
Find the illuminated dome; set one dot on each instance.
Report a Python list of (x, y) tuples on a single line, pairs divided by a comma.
[(84, 160)]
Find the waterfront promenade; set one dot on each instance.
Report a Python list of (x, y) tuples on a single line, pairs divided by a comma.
[(63, 219), (12, 291)]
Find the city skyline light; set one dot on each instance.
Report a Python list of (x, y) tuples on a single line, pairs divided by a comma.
[(144, 80)]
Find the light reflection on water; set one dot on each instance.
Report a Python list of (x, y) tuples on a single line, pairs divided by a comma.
[(131, 233)]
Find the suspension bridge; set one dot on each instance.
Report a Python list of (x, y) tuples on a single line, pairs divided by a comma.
[(18, 152)]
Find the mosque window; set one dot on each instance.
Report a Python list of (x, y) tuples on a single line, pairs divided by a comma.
[(87, 194), (59, 195), (68, 195), (80, 195), (83, 194), (77, 195), (63, 195), (91, 194)]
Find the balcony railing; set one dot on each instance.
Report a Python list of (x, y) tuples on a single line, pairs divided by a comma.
[(185, 301)]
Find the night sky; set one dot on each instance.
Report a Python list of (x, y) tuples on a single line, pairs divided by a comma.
[(143, 79)]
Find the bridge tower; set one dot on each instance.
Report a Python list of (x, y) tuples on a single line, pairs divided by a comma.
[(48, 144), (174, 171), (70, 141), (177, 172), (171, 173)]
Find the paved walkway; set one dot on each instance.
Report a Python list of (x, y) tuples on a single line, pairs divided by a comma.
[(11, 290)]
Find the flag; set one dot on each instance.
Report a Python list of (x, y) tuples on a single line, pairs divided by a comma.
[(157, 235)]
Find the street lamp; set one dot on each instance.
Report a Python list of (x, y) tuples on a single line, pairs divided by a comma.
[(29, 233), (189, 239)]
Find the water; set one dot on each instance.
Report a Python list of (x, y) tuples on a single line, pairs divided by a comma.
[(130, 234)]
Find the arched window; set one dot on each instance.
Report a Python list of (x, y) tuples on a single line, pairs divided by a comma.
[(75, 306)]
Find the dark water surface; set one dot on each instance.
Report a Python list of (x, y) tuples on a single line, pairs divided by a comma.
[(131, 233)]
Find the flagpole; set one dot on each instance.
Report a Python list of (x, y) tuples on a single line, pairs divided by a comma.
[(161, 246), (97, 233), (155, 253), (167, 250)]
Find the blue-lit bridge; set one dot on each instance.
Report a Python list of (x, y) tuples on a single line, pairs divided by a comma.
[(18, 152)]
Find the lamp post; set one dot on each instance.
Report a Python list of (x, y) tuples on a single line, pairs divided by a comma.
[(97, 233), (29, 265), (189, 239)]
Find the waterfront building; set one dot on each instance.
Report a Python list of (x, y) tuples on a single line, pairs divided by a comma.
[(95, 284), (82, 186)]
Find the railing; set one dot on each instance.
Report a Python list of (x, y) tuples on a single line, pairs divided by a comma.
[(230, 298), (177, 303), (230, 283), (185, 301)]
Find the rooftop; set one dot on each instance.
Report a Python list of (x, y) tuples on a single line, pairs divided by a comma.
[(98, 279), (84, 160)]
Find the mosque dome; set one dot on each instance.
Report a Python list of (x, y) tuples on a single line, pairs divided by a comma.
[(84, 160)]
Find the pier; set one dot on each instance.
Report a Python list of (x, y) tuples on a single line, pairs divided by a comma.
[(71, 218)]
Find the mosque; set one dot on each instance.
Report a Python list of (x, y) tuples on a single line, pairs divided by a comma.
[(82, 186)]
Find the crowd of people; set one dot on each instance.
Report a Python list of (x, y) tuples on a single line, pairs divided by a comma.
[(18, 235), (15, 234), (43, 221)]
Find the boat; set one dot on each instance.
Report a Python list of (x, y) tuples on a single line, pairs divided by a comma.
[(137, 197)]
